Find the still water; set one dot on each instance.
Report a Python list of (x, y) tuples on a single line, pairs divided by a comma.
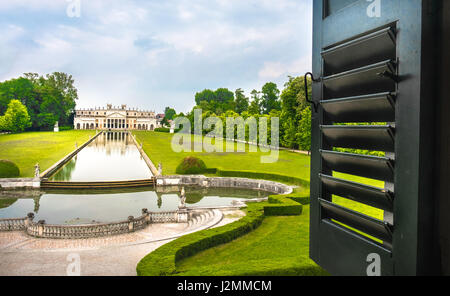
[(78, 207), (112, 156)]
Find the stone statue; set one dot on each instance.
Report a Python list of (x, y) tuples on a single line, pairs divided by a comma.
[(56, 127), (37, 170), (182, 198)]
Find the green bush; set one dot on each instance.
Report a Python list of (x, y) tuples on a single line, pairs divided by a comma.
[(162, 129), (66, 128), (163, 260), (8, 169), (166, 130), (191, 165), (280, 205)]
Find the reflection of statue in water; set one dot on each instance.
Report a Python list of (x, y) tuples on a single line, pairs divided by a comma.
[(37, 170), (159, 201), (182, 198), (36, 199)]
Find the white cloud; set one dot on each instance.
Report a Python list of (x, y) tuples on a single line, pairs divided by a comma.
[(276, 70), (157, 52)]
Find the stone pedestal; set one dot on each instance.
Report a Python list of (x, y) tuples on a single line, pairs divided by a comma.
[(183, 215)]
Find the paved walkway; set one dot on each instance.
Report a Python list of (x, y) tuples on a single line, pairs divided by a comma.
[(22, 255)]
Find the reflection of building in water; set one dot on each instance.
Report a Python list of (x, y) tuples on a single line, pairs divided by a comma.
[(115, 118), (112, 142)]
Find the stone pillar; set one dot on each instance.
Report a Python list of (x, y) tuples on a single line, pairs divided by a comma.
[(130, 224), (41, 228), (182, 215)]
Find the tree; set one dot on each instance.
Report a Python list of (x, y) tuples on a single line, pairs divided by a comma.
[(16, 118), (49, 98), (270, 95), (169, 113), (255, 105), (218, 101), (241, 101), (304, 130)]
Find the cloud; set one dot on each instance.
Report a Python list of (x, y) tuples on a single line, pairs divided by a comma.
[(276, 70), (153, 53)]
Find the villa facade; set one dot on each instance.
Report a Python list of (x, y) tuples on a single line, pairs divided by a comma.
[(115, 118)]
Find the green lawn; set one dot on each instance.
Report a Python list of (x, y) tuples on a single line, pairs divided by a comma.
[(278, 247), (45, 148), (158, 148)]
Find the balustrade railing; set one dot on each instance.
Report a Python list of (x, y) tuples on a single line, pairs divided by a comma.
[(42, 230), (13, 224)]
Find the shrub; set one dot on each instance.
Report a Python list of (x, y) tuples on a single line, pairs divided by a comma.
[(162, 129), (280, 205), (191, 165), (8, 169), (166, 130), (65, 128), (163, 260)]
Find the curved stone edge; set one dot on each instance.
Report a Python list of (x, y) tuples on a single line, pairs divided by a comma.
[(223, 182), (218, 217)]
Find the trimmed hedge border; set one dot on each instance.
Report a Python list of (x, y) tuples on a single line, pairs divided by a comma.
[(162, 261), (282, 206)]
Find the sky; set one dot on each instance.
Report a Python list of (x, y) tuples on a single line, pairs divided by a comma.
[(151, 54)]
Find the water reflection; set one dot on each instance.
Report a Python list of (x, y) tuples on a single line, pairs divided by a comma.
[(87, 206), (112, 156)]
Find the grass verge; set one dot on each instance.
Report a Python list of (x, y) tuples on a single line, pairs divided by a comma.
[(45, 148)]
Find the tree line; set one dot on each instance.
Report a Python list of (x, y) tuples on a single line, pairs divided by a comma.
[(289, 105), (34, 102)]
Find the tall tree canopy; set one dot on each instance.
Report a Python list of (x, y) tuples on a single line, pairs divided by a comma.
[(48, 98), (241, 102), (16, 118), (270, 97), (218, 101), (255, 105)]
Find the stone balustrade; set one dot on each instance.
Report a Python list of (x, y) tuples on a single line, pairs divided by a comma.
[(42, 230), (13, 224)]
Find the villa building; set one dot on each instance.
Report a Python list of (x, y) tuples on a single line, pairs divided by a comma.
[(115, 118)]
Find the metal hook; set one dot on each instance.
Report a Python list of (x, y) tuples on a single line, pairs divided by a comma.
[(315, 104)]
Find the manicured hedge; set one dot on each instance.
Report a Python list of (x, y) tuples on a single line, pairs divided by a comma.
[(191, 165), (280, 205), (8, 169), (162, 129), (166, 130), (162, 261)]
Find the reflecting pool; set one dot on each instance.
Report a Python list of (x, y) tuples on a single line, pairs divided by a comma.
[(88, 206), (112, 156)]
